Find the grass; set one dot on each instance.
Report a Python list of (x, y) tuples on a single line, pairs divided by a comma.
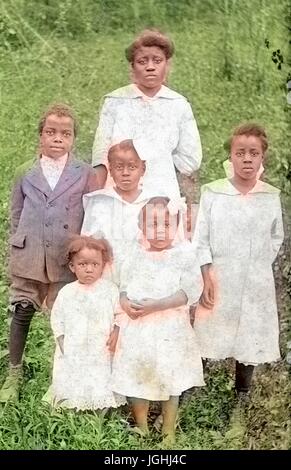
[(225, 70)]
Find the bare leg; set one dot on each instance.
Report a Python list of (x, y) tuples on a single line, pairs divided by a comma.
[(140, 408), (169, 412)]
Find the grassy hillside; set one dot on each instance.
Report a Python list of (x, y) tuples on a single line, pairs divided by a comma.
[(224, 68)]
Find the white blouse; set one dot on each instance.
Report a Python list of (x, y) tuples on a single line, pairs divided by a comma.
[(165, 122)]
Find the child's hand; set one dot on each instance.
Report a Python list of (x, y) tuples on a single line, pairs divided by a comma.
[(130, 307), (207, 297), (112, 340), (148, 306)]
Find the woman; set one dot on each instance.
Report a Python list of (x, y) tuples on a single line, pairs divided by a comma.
[(152, 112)]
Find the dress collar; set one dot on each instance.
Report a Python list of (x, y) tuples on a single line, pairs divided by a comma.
[(224, 186), (111, 192)]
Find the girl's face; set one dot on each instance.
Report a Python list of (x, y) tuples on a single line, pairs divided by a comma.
[(87, 265), (150, 68), (126, 170), (57, 136), (159, 227), (246, 156)]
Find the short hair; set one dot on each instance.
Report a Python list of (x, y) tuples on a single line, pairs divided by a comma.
[(60, 110), (249, 129), (124, 146), (150, 38), (153, 202), (79, 242)]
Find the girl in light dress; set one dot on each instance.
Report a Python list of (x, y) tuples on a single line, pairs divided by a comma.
[(82, 320), (157, 357), (238, 235)]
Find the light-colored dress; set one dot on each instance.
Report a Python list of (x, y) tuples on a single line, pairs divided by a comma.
[(107, 212), (165, 122), (110, 216), (84, 314), (241, 236), (157, 355)]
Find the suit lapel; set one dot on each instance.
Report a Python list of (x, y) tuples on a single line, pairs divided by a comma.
[(37, 179), (71, 173)]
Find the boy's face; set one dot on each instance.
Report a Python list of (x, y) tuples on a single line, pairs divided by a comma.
[(87, 265), (246, 156), (150, 68), (126, 169), (159, 227), (57, 136)]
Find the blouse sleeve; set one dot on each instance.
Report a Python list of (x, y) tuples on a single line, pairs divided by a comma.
[(191, 278), (103, 136), (58, 316), (277, 231), (188, 154), (201, 239)]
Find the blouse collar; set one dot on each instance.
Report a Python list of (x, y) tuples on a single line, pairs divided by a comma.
[(224, 186)]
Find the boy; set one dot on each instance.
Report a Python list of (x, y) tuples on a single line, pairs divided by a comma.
[(46, 209)]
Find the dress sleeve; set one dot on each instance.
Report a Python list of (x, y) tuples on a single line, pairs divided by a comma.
[(92, 222), (201, 239), (188, 154), (191, 281), (120, 317), (103, 136), (277, 231), (58, 316), (125, 270)]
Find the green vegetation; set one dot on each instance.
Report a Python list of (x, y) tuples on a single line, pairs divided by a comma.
[(73, 51)]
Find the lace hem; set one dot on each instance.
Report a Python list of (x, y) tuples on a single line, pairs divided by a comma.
[(98, 403)]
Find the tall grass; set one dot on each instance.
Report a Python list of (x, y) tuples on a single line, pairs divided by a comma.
[(73, 51)]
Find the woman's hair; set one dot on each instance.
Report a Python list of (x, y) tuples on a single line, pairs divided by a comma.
[(60, 110), (150, 38), (249, 129), (124, 146), (79, 242)]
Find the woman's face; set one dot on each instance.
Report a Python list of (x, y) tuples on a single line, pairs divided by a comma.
[(150, 68)]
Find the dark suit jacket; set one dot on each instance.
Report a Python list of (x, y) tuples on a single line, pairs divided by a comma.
[(42, 219)]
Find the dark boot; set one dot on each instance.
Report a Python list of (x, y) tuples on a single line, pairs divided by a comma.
[(237, 424), (22, 315), (243, 377)]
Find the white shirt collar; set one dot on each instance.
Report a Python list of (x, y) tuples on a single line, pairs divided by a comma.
[(110, 192), (58, 162), (132, 91)]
